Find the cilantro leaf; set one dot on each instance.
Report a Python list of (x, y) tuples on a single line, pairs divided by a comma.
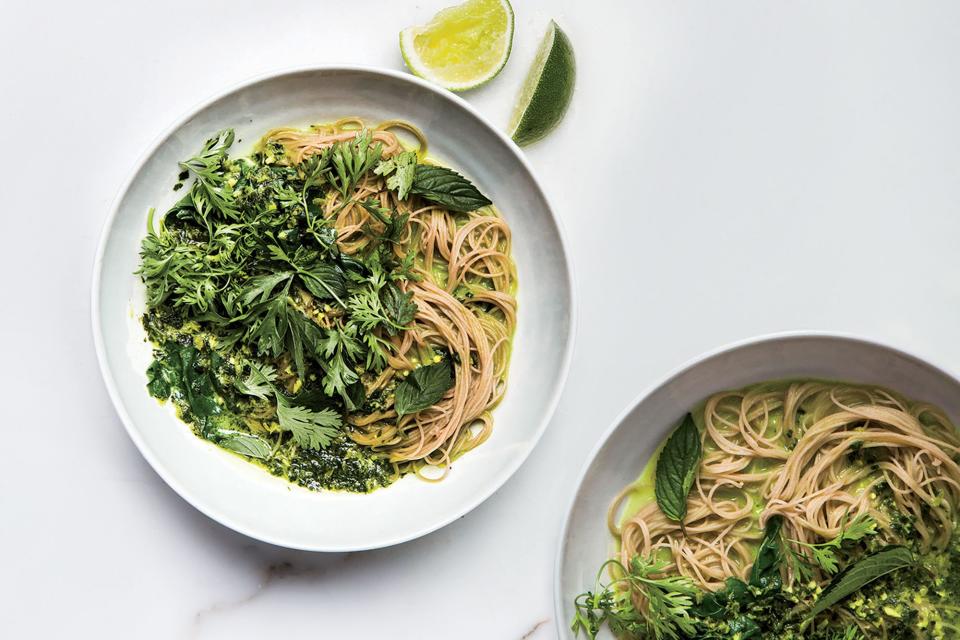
[(389, 308), (352, 159), (401, 171), (824, 553), (423, 387)]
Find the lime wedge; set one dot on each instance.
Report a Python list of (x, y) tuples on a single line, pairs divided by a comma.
[(547, 90), (463, 46)]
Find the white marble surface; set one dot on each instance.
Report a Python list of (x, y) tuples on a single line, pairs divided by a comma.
[(727, 169)]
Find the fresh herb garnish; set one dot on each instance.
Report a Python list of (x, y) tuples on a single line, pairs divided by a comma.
[(860, 574), (351, 160), (669, 600), (423, 387), (400, 171), (258, 382), (245, 444), (677, 468), (314, 429), (311, 429), (263, 313), (447, 188), (824, 553)]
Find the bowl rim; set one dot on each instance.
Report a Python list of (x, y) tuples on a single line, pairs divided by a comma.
[(687, 365), (169, 478)]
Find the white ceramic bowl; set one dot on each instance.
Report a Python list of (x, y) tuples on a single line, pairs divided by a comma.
[(243, 496), (627, 446)]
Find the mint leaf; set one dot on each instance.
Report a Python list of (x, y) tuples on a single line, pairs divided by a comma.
[(860, 574), (399, 307), (677, 468), (245, 444), (423, 388), (324, 281), (311, 429), (447, 188)]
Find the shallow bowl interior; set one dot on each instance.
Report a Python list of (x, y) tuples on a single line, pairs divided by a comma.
[(625, 450), (243, 496)]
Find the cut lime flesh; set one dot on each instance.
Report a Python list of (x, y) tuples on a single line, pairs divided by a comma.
[(462, 47)]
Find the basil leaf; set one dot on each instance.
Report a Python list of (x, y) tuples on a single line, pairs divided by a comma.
[(423, 387), (447, 188), (766, 568), (860, 574), (677, 468), (246, 444)]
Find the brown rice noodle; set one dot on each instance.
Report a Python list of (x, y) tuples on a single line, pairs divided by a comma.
[(465, 299), (783, 449)]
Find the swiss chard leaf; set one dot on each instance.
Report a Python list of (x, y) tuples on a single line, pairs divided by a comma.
[(860, 574), (447, 188), (424, 387), (160, 379), (178, 370), (677, 468), (714, 605)]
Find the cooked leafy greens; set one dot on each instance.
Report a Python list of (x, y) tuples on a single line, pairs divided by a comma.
[(267, 334), (669, 600)]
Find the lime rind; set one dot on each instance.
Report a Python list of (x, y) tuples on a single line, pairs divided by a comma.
[(547, 90), (420, 68)]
